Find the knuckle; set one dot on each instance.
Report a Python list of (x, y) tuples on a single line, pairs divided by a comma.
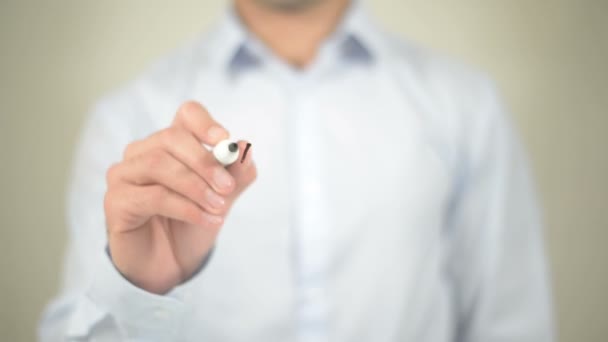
[(111, 205), (167, 136), (130, 149), (112, 173), (155, 159), (190, 105), (188, 108), (108, 203)]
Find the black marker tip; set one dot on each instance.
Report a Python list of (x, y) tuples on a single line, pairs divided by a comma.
[(233, 147), (245, 152)]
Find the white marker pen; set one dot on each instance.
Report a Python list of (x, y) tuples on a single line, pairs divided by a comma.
[(227, 152)]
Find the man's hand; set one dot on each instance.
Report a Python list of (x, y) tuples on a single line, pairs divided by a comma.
[(167, 200)]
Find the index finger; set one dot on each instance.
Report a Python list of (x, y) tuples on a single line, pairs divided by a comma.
[(194, 118)]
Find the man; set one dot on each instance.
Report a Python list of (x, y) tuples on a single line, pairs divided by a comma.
[(388, 201)]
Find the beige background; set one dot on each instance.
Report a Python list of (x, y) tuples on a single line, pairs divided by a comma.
[(549, 57)]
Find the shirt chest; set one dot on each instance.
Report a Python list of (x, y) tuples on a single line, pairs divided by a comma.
[(346, 162), (356, 141)]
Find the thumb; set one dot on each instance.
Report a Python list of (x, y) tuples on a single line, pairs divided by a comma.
[(243, 170)]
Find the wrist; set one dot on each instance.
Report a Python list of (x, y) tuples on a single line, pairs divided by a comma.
[(145, 276), (156, 285), (199, 267)]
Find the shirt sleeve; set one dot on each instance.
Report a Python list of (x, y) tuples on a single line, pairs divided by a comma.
[(497, 261), (95, 300)]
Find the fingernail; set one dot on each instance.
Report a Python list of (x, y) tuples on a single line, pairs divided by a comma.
[(214, 200), (216, 133), (212, 219), (222, 178)]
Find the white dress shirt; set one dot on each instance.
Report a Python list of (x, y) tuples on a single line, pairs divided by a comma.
[(393, 202)]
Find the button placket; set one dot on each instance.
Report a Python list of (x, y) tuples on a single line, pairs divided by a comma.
[(310, 219)]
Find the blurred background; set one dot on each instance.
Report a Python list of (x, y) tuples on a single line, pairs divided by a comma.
[(549, 58)]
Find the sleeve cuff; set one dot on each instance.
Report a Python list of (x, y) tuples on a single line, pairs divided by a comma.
[(137, 313)]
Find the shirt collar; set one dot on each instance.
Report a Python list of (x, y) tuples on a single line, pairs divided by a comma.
[(237, 50), (356, 34)]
